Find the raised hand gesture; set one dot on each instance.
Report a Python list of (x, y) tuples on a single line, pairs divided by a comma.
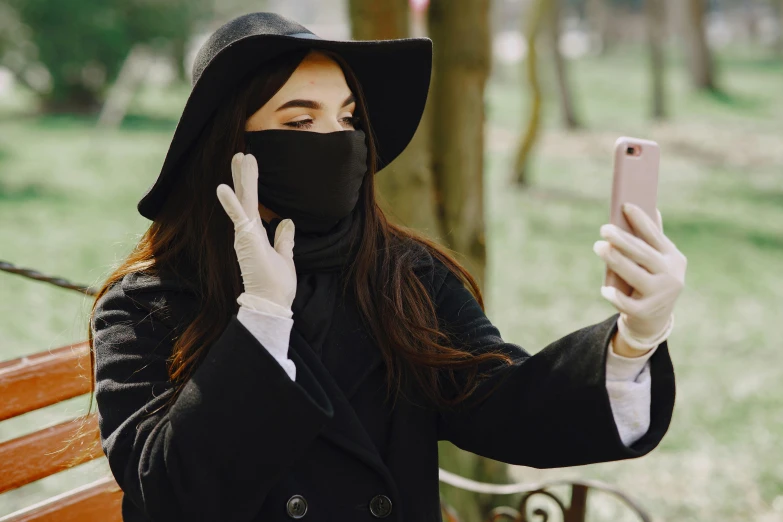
[(267, 272)]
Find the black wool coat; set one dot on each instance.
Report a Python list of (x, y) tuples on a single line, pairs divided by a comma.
[(243, 442)]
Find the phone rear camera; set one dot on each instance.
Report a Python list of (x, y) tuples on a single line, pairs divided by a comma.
[(633, 150)]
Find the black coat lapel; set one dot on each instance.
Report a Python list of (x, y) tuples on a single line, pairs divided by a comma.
[(344, 429), (350, 354)]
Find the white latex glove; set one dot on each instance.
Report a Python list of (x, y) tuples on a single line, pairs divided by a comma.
[(268, 274), (653, 266)]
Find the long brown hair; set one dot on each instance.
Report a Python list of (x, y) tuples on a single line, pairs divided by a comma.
[(193, 236)]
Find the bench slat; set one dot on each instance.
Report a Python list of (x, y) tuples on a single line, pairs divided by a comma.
[(40, 454), (99, 500), (43, 379)]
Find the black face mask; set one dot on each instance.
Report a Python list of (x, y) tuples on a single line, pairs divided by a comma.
[(311, 177)]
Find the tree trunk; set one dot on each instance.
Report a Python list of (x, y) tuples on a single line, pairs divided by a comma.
[(780, 27), (598, 16), (70, 98), (460, 29), (533, 19), (751, 22), (656, 21), (570, 121), (179, 49), (378, 19), (128, 81), (701, 64), (406, 187)]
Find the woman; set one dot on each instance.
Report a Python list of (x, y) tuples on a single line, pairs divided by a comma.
[(356, 344)]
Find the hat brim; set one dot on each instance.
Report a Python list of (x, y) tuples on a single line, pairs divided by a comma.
[(394, 75)]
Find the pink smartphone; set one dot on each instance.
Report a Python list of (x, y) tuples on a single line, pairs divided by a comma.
[(635, 181)]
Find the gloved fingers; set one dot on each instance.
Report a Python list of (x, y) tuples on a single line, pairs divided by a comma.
[(672, 247), (669, 286), (236, 174), (646, 229), (648, 317), (231, 205), (636, 312), (249, 177), (623, 303), (284, 238), (244, 172), (646, 313), (636, 276), (634, 248), (659, 307), (675, 261), (249, 246)]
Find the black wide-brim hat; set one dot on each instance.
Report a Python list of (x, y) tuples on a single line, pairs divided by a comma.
[(394, 75)]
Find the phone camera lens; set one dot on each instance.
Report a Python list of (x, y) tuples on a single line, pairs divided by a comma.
[(633, 150)]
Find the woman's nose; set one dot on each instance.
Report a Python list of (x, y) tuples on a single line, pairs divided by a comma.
[(332, 125)]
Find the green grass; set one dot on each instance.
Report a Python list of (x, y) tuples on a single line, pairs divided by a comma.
[(67, 207), (721, 196)]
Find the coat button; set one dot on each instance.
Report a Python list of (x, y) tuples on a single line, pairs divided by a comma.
[(296, 506), (380, 506)]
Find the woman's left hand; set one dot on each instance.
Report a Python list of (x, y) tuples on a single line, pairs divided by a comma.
[(652, 265)]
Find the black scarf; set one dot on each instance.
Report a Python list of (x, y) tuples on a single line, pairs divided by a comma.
[(320, 260)]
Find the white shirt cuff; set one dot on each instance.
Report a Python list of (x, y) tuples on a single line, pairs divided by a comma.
[(273, 332), (629, 383), (259, 304)]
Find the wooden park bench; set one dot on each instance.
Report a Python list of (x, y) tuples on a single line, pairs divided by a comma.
[(33, 382), (47, 378)]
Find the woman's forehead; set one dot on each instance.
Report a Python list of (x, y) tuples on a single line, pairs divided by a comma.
[(318, 74)]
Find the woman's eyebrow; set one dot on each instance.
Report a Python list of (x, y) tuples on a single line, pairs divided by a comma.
[(312, 104), (305, 104)]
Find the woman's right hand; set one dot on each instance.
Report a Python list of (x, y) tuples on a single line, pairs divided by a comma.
[(267, 272)]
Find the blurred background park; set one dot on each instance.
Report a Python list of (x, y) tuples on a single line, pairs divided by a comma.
[(511, 167)]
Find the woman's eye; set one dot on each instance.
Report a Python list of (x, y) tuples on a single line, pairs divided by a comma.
[(352, 121), (300, 124)]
